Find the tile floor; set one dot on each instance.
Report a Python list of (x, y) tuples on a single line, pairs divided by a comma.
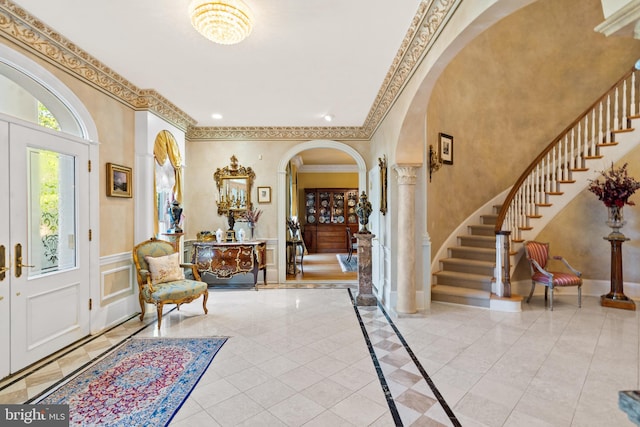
[(300, 357)]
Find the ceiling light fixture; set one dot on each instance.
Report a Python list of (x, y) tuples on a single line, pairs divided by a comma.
[(221, 21), (328, 117)]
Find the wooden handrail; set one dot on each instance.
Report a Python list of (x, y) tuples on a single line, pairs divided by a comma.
[(520, 181)]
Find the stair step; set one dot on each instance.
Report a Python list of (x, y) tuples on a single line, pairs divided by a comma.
[(464, 280), (456, 295), (482, 230), (489, 219), (468, 252), (478, 241), (622, 130), (468, 266)]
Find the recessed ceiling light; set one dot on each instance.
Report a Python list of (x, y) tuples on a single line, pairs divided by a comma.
[(328, 117), (216, 116)]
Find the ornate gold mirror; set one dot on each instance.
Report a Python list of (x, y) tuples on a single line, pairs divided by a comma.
[(234, 184)]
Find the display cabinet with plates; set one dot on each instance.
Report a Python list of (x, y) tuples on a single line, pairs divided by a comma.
[(328, 211)]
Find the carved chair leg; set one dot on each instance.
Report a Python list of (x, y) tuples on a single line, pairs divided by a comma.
[(159, 310), (551, 298), (205, 297), (533, 287), (141, 299)]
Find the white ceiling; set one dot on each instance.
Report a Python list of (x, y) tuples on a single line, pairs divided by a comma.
[(304, 59)]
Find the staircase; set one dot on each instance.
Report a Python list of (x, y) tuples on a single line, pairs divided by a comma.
[(607, 131), (466, 276)]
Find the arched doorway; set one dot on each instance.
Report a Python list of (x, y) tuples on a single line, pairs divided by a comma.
[(283, 188)]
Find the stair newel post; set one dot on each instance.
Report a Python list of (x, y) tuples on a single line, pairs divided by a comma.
[(503, 281)]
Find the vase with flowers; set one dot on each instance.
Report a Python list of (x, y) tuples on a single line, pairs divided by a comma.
[(613, 188), (252, 216)]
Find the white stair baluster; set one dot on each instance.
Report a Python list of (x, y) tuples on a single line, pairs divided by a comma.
[(632, 94), (616, 120), (608, 127)]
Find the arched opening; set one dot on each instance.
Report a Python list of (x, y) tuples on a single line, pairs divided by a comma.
[(292, 205)]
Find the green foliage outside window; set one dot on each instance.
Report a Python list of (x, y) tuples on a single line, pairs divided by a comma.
[(46, 119)]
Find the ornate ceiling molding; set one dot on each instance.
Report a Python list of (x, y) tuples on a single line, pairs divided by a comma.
[(19, 27), (276, 133)]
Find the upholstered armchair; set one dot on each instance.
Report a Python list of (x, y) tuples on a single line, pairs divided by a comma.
[(538, 254), (161, 278)]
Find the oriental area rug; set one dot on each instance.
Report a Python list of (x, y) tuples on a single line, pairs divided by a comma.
[(143, 382), (348, 266)]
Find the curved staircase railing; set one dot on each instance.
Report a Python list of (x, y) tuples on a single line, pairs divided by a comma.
[(567, 153)]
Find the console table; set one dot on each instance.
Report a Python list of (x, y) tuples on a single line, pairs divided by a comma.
[(226, 259)]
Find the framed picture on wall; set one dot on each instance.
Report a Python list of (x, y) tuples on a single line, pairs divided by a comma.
[(119, 181), (446, 148), (264, 194)]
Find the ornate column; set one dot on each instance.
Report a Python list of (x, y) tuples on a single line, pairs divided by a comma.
[(406, 259)]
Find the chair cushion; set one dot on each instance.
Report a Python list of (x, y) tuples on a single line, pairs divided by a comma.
[(559, 279), (165, 268), (175, 291)]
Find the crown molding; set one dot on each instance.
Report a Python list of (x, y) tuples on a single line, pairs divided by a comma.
[(23, 29), (276, 133)]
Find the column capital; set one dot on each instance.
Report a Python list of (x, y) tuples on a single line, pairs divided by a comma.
[(406, 173)]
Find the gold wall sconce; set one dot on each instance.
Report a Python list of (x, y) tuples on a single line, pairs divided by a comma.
[(435, 162)]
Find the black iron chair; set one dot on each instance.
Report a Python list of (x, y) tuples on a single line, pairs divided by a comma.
[(352, 244)]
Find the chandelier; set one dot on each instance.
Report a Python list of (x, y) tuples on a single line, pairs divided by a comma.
[(221, 21)]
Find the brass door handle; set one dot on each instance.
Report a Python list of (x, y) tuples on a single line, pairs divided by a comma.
[(19, 263), (3, 268)]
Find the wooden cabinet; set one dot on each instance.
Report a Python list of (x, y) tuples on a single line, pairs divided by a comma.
[(328, 213), (224, 260)]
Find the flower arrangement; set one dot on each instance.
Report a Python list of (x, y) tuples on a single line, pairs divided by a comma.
[(615, 188), (252, 216)]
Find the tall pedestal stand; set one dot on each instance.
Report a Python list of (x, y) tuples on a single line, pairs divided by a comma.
[(365, 285), (616, 297)]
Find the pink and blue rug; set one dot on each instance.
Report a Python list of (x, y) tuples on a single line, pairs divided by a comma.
[(142, 383)]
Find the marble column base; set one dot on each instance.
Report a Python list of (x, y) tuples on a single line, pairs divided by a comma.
[(366, 299)]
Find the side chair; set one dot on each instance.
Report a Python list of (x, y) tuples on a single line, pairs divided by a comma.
[(161, 277), (352, 244), (537, 254)]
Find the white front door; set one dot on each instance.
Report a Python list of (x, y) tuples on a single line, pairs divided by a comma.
[(48, 242), (5, 254)]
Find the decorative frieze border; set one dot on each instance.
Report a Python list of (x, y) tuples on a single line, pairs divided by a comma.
[(19, 27)]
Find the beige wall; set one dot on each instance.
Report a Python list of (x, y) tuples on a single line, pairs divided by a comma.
[(507, 95), (327, 180)]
